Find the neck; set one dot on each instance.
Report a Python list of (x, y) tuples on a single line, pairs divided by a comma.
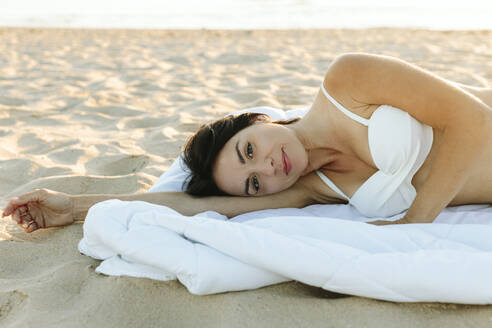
[(320, 157), (320, 141), (315, 134)]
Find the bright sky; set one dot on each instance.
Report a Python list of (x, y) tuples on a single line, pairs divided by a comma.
[(247, 13), (130, 6)]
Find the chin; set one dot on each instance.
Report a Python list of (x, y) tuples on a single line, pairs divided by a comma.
[(291, 183)]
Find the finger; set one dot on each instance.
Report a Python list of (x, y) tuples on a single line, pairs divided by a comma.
[(33, 196), (16, 216), (25, 225), (31, 226), (11, 206), (26, 217), (20, 215), (37, 215)]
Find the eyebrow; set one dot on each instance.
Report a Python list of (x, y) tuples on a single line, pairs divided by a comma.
[(241, 159)]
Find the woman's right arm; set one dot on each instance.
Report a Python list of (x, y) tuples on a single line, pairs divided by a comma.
[(305, 192), (185, 204), (49, 208)]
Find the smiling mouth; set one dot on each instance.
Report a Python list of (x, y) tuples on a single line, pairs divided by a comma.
[(286, 162)]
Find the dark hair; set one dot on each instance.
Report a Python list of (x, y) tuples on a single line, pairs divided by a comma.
[(202, 149)]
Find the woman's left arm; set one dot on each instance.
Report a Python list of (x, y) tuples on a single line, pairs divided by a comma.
[(463, 120)]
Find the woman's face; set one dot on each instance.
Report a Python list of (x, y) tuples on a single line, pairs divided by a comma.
[(261, 159)]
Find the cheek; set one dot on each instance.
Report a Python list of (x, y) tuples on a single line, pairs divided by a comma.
[(301, 159), (225, 178), (273, 186)]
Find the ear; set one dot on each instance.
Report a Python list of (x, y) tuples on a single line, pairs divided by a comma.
[(262, 118)]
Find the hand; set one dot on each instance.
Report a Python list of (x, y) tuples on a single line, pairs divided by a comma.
[(41, 208)]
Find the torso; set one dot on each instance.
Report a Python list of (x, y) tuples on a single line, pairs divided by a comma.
[(354, 165)]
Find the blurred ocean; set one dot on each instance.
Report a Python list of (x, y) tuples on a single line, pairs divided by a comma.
[(247, 14)]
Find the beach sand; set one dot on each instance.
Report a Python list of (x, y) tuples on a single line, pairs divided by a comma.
[(94, 111)]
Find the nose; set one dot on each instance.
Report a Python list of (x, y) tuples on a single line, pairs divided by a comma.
[(267, 168)]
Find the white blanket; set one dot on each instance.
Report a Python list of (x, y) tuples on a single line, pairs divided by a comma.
[(327, 246)]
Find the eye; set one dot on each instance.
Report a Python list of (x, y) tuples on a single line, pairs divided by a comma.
[(249, 150), (256, 184)]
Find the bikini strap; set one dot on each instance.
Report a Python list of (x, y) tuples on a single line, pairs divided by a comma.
[(331, 184), (343, 109)]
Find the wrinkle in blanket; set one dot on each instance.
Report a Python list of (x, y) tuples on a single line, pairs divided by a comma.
[(328, 246)]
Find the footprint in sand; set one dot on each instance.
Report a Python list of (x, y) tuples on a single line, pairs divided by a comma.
[(11, 101), (112, 111), (10, 121), (11, 302), (66, 156), (119, 164), (73, 184), (237, 58), (19, 171), (145, 123), (244, 98)]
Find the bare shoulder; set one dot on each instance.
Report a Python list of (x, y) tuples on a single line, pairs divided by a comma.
[(342, 69), (338, 82), (385, 80), (348, 74), (345, 66)]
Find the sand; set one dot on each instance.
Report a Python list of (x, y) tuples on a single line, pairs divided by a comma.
[(94, 111)]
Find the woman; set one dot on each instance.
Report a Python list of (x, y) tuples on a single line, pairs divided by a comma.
[(382, 135)]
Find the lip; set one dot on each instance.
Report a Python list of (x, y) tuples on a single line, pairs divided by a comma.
[(286, 162)]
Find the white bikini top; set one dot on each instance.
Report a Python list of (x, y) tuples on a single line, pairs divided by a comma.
[(399, 145)]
